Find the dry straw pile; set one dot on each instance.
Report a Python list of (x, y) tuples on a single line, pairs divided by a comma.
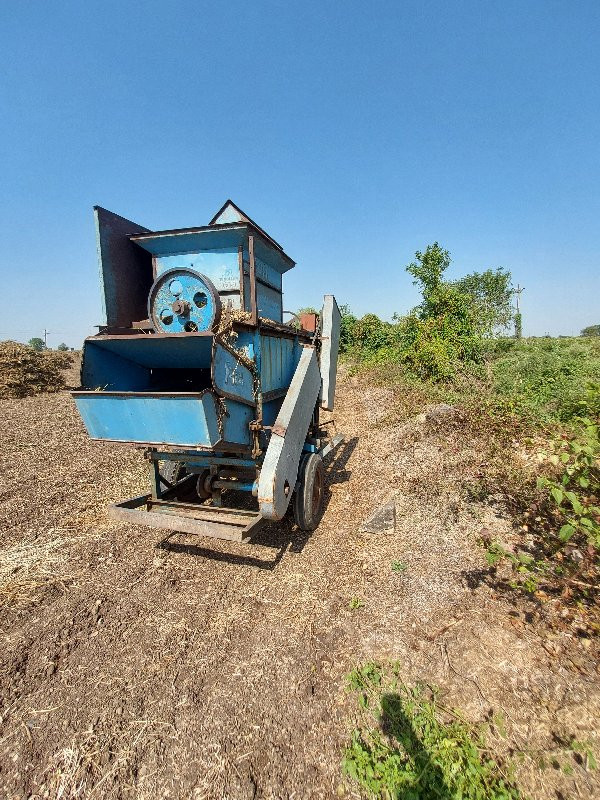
[(24, 371)]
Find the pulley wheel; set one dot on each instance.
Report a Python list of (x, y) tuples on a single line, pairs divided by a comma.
[(182, 300)]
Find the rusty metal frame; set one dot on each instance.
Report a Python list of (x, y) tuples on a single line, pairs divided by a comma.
[(160, 509), (202, 458), (241, 267), (216, 523), (253, 302), (220, 446)]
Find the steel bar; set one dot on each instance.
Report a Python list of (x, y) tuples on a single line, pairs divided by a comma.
[(338, 439)]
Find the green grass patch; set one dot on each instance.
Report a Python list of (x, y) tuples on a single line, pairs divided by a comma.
[(411, 747), (543, 379)]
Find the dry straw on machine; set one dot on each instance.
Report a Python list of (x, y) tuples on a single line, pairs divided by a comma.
[(24, 371)]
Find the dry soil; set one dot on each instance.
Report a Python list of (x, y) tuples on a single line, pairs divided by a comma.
[(137, 665)]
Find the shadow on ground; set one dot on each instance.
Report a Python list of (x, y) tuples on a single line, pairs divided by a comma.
[(429, 779)]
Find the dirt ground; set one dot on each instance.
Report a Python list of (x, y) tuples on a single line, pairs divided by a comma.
[(137, 665)]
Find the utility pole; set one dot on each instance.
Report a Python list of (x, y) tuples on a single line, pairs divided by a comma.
[(47, 332), (518, 291), (518, 320)]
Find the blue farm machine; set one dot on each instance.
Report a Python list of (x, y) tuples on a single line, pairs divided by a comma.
[(196, 365)]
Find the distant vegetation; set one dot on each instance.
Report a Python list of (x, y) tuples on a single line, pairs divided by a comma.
[(445, 333), (591, 330), (37, 344), (458, 337)]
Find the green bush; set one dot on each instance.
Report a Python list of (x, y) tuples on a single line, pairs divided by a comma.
[(444, 333)]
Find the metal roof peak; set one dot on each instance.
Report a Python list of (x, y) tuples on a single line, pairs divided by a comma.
[(230, 212)]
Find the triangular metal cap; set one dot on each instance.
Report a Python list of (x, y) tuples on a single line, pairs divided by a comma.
[(229, 212)]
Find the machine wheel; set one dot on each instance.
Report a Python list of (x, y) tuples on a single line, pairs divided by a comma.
[(308, 499), (173, 471)]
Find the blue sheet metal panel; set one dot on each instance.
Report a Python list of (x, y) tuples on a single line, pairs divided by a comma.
[(192, 240), (246, 343), (267, 274), (271, 255), (122, 363), (269, 298), (189, 420), (269, 302), (125, 271), (279, 358), (270, 410), (236, 423), (103, 368), (230, 377), (221, 266)]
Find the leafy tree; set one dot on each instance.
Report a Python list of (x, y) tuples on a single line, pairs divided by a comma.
[(62, 346), (445, 332), (591, 330), (37, 344), (445, 329), (428, 270), (492, 294)]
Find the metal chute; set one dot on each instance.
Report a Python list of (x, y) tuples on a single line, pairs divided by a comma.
[(330, 344)]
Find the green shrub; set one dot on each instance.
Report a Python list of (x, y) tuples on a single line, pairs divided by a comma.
[(347, 322), (439, 337), (567, 524), (576, 491)]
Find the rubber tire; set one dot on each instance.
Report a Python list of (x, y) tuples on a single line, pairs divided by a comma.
[(308, 498), (172, 471)]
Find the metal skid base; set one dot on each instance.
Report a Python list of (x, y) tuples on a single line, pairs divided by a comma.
[(168, 510), (199, 520)]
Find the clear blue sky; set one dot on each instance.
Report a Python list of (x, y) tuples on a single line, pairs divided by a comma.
[(355, 133)]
